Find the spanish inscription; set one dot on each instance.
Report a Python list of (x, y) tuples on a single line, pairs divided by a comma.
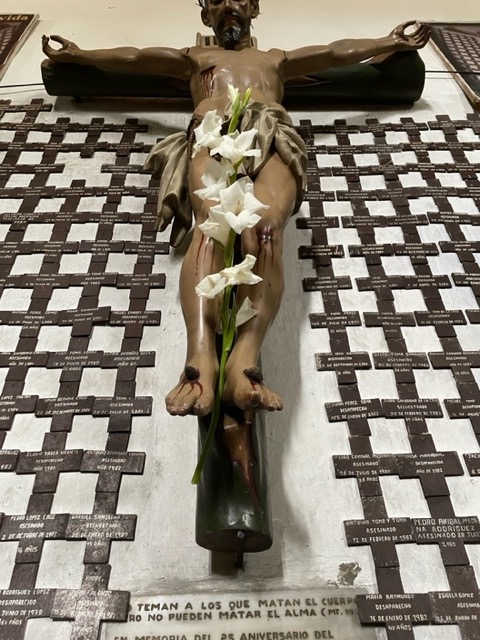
[(329, 614)]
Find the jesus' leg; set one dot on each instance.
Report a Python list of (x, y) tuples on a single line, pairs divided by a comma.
[(195, 391), (275, 186)]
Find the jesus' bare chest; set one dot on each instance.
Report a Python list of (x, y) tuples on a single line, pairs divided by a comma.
[(215, 68)]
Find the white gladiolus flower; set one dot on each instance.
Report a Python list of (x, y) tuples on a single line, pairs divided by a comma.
[(239, 205), (207, 134), (236, 146), (245, 313), (244, 220), (215, 179), (216, 227), (241, 273), (233, 94), (211, 286)]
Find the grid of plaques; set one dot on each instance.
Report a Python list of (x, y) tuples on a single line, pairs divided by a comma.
[(461, 45), (379, 173), (388, 173), (41, 288), (464, 45)]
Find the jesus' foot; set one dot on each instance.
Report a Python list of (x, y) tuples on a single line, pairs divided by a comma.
[(245, 389), (195, 393)]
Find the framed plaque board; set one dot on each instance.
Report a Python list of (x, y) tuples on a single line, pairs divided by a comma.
[(458, 45)]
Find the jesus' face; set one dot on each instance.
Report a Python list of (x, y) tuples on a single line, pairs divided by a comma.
[(230, 20)]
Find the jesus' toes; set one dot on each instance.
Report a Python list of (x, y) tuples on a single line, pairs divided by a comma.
[(176, 406), (203, 406), (266, 400)]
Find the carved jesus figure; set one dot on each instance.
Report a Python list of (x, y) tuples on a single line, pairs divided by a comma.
[(279, 179)]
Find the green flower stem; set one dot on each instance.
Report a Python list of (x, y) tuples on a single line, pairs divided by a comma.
[(228, 317), (215, 416), (228, 310), (232, 127), (227, 343), (233, 178), (229, 249)]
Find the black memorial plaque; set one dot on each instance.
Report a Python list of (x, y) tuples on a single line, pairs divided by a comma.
[(24, 359), (344, 364), (92, 281), (146, 251), (87, 608), (126, 318), (121, 410), (17, 606), (458, 608), (366, 468), (31, 321), (389, 319), (381, 535), (440, 320), (468, 280), (450, 534), (360, 221), (431, 469), (473, 315), (335, 321), (82, 320), (460, 247), (461, 364), (11, 405), (472, 462), (395, 609), (353, 410), (468, 408), (361, 532), (135, 321), (453, 218), (110, 465), (72, 363), (412, 409), (445, 462), (8, 460), (320, 251), (64, 410), (402, 364), (140, 285), (326, 283), (371, 251), (30, 531), (47, 465), (128, 359), (317, 223), (100, 249), (364, 464), (99, 530), (403, 282), (445, 360)]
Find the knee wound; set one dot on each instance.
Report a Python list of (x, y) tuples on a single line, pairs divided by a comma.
[(266, 234)]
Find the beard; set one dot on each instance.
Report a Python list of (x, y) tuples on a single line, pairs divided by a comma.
[(232, 37), (232, 34)]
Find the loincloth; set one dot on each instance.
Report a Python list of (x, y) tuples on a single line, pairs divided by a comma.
[(169, 161)]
